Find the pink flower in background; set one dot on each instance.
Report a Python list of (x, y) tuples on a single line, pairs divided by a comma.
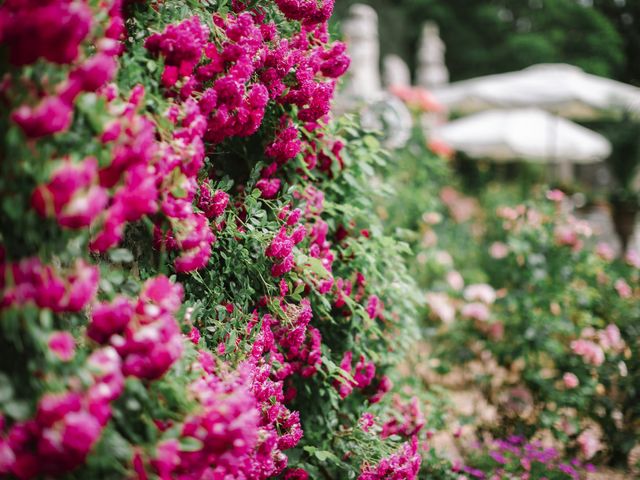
[(90, 76), (591, 352), (441, 306), (181, 44), (481, 292), (496, 331), (570, 380), (82, 286), (611, 339), (375, 307), (431, 218), (286, 144), (109, 319), (508, 213), (633, 258), (623, 288), (407, 418), (419, 98), (62, 344), (344, 385), (566, 235), (364, 372), (498, 250), (336, 61), (555, 195), (589, 443), (605, 251), (455, 280), (476, 311), (213, 204)]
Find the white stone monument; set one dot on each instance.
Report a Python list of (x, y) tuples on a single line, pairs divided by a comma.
[(432, 70), (360, 30), (363, 91), (395, 72)]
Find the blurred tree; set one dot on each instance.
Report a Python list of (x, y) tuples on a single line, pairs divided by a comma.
[(485, 37), (625, 16)]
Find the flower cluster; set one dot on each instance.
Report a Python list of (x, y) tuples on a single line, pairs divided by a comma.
[(281, 249), (593, 344), (29, 281), (66, 425), (56, 30), (407, 420), (145, 334), (403, 465), (528, 460), (241, 427), (359, 377)]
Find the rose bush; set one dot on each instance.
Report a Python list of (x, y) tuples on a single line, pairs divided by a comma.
[(568, 324), (523, 307), (193, 283)]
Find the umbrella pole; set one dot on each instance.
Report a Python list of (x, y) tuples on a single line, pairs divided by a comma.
[(565, 166), (565, 172)]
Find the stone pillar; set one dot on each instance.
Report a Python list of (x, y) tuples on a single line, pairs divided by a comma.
[(395, 72), (432, 70), (360, 30)]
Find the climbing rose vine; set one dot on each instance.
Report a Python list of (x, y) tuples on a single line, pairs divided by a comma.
[(192, 282)]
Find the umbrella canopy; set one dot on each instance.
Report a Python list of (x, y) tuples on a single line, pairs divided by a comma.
[(526, 134), (562, 89)]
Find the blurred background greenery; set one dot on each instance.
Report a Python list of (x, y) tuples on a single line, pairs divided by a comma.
[(493, 36)]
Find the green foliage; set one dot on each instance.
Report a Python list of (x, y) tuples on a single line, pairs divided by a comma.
[(505, 35)]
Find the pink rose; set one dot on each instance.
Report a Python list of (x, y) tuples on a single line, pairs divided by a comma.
[(570, 380), (63, 345), (498, 250)]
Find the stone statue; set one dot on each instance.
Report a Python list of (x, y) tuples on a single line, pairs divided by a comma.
[(432, 70), (396, 72), (361, 35), (379, 111)]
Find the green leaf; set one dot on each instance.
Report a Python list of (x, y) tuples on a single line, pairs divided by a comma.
[(121, 255), (190, 444)]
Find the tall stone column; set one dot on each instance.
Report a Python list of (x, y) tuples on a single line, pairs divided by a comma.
[(361, 35), (432, 70)]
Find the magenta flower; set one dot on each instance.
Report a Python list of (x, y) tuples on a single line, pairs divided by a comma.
[(62, 344), (51, 115), (181, 45), (51, 30), (384, 386), (404, 464), (268, 187), (109, 319), (72, 195), (213, 204)]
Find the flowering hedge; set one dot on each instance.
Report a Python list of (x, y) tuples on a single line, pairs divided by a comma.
[(193, 283), (526, 315), (558, 320)]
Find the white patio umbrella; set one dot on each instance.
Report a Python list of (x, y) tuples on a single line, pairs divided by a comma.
[(523, 134), (562, 89)]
